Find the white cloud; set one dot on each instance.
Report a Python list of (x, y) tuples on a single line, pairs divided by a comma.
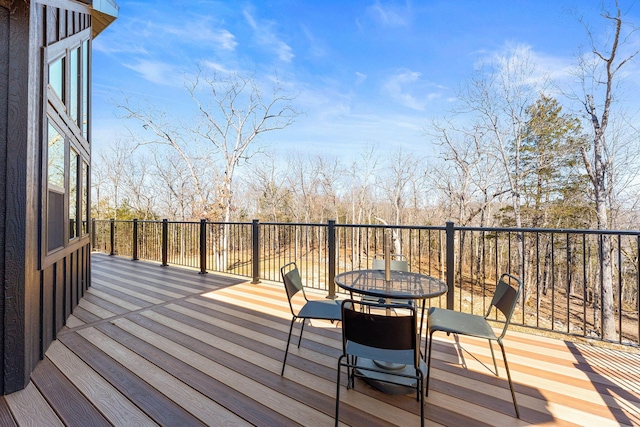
[(158, 72), (317, 48), (266, 37), (541, 68), (217, 67), (389, 15), (408, 89), (201, 31)]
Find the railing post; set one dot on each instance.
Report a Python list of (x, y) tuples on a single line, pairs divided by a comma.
[(134, 242), (255, 250), (331, 239), (450, 262), (112, 237), (203, 246), (165, 241)]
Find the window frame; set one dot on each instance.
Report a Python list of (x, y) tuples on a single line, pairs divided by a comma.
[(76, 136)]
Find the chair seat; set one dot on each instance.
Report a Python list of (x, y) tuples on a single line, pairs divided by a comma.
[(450, 321), (321, 309)]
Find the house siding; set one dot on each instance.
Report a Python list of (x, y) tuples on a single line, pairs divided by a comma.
[(35, 299)]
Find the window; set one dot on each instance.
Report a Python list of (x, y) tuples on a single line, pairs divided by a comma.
[(55, 189), (74, 80), (84, 206), (66, 149), (56, 78), (74, 158), (85, 89)]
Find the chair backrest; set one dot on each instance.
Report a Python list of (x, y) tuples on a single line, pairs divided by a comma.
[(398, 262), (292, 281), (380, 331), (506, 297)]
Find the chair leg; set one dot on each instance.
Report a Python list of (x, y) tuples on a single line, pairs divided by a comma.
[(429, 345), (493, 356), (351, 371), (301, 331), (284, 362), (506, 366), (421, 381), (338, 388), (422, 302)]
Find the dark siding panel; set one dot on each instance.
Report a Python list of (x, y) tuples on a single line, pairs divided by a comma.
[(73, 283), (34, 304), (51, 14), (87, 266), (59, 306), (62, 24), (47, 306), (71, 27), (68, 296), (30, 163), (65, 303), (17, 323), (4, 84)]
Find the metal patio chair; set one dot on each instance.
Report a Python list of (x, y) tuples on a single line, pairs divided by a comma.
[(398, 263), (454, 322), (384, 340), (312, 309)]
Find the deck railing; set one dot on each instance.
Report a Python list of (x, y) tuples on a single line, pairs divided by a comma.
[(561, 268)]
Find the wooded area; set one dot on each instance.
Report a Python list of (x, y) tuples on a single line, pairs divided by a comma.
[(515, 150)]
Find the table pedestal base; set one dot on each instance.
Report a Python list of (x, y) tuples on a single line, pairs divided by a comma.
[(379, 380)]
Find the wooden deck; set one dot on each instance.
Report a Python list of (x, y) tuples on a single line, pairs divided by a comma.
[(151, 345)]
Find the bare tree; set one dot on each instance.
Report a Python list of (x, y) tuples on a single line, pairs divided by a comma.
[(498, 99), (232, 112), (361, 203), (599, 75), (307, 180), (233, 115), (109, 182), (362, 176), (471, 177), (267, 187), (493, 114), (161, 131)]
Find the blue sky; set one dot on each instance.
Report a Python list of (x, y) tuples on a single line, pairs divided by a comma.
[(365, 72)]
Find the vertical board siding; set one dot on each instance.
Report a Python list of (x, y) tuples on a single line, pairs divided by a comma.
[(46, 307), (4, 85), (59, 303), (51, 24), (73, 282), (34, 302), (61, 290), (62, 24), (20, 328)]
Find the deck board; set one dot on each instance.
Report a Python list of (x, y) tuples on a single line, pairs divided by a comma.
[(70, 404), (151, 345)]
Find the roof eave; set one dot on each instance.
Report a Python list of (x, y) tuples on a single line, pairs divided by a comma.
[(103, 13)]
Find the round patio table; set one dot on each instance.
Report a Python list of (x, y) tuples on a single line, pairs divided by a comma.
[(403, 285)]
